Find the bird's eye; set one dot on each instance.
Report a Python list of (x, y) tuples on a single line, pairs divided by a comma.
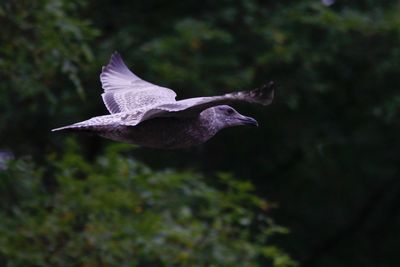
[(229, 111)]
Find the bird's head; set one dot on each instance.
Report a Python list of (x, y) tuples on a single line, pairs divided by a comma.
[(229, 117)]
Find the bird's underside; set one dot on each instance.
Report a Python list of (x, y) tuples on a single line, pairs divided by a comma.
[(148, 115)]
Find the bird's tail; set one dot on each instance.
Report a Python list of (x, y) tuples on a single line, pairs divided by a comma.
[(61, 128), (75, 128), (93, 125)]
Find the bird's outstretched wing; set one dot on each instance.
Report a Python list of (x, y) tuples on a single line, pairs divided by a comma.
[(194, 106), (124, 91)]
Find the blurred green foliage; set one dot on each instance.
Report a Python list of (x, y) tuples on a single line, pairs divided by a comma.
[(326, 151), (43, 46), (117, 212)]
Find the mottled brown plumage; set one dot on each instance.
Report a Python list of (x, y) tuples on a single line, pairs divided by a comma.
[(148, 115)]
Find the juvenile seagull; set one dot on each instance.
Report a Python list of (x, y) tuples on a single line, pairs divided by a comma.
[(148, 115)]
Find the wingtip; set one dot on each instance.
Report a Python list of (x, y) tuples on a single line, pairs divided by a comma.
[(270, 93), (266, 93), (115, 56), (117, 62), (269, 87)]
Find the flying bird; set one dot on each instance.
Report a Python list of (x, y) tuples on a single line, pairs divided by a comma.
[(148, 115)]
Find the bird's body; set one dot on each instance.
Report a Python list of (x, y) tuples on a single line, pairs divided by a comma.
[(148, 115), (186, 131)]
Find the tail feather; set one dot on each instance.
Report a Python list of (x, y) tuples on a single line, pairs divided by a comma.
[(74, 127), (96, 124), (60, 128)]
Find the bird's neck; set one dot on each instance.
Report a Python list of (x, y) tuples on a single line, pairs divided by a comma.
[(209, 119)]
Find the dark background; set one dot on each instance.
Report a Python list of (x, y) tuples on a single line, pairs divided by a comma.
[(325, 157)]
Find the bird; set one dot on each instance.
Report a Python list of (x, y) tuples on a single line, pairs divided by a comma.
[(148, 115)]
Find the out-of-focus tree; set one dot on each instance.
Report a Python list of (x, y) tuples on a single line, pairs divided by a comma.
[(43, 47), (117, 212)]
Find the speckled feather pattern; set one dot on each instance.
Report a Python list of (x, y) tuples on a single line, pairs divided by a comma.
[(146, 114)]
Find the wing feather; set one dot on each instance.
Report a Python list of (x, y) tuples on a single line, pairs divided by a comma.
[(124, 91), (194, 106)]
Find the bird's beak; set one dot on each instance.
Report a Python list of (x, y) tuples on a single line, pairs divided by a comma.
[(248, 121)]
